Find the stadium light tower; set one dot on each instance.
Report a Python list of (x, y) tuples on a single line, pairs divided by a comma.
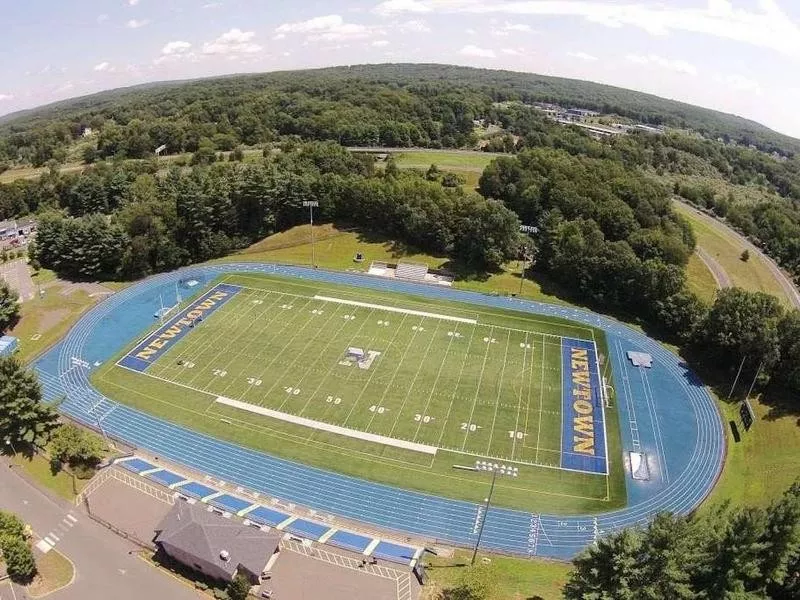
[(495, 469), (311, 204), (527, 253)]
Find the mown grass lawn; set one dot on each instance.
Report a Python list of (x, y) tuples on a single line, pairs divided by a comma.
[(55, 572), (38, 468)]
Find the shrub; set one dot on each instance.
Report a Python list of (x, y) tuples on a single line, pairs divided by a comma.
[(19, 559)]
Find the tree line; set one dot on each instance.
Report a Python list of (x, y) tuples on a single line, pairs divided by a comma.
[(608, 236), (129, 220)]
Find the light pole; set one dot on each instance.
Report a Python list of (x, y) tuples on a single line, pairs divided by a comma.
[(495, 469), (311, 204), (8, 443), (527, 254)]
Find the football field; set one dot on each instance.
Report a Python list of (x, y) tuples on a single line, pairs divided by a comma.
[(429, 385)]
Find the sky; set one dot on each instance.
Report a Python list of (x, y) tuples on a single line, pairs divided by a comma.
[(738, 56)]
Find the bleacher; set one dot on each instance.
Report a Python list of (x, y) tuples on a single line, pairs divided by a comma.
[(412, 271)]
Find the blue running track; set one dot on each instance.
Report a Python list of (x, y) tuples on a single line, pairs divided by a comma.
[(664, 412)]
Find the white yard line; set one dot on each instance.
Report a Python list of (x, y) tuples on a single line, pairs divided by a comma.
[(499, 391), (519, 398), (455, 389), (477, 390), (541, 404), (435, 383), (352, 433), (407, 311), (414, 381)]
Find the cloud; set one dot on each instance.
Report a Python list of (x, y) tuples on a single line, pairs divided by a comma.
[(233, 42), (328, 28), (766, 26), (470, 31), (103, 66), (511, 51), (472, 50), (582, 56), (102, 18), (393, 7), (679, 66), (740, 83), (415, 26), (6, 97), (212, 5), (135, 24), (133, 2), (380, 43), (176, 47), (508, 28)]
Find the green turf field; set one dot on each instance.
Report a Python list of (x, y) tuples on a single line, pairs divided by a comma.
[(439, 384)]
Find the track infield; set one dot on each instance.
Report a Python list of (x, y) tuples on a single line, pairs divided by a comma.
[(274, 364)]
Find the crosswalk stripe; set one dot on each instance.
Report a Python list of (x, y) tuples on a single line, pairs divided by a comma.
[(49, 541), (54, 536), (71, 518)]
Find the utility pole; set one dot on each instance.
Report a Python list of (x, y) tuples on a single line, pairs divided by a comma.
[(495, 469), (526, 254), (311, 204)]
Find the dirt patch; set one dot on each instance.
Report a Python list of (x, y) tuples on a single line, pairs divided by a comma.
[(296, 236), (51, 318)]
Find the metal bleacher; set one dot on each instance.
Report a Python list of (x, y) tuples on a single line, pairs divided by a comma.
[(411, 271), (260, 515)]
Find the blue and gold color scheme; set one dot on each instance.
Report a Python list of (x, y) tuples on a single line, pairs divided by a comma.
[(154, 345), (583, 433)]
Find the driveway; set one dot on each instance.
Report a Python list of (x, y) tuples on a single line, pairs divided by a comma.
[(720, 275), (18, 277), (106, 565)]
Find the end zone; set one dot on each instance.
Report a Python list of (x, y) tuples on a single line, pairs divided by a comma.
[(154, 345), (583, 432)]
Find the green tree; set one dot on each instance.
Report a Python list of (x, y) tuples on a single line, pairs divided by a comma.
[(781, 566), (9, 307), (75, 446), (239, 588), (24, 419), (11, 525), (609, 570), (18, 557), (745, 256)]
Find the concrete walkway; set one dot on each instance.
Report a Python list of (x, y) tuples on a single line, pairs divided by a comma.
[(106, 565)]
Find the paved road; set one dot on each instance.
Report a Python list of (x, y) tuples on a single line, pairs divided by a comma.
[(104, 567), (720, 275), (789, 289), (18, 277)]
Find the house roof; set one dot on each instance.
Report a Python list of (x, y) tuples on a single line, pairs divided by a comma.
[(198, 532), (8, 225)]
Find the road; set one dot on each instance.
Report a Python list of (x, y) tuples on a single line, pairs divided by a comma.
[(789, 289), (18, 277), (103, 563), (719, 274)]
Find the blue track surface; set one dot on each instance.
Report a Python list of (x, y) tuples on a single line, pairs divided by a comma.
[(664, 411)]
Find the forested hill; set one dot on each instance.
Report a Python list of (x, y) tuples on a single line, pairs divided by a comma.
[(366, 97)]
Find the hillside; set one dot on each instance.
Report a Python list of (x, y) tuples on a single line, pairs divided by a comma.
[(366, 95)]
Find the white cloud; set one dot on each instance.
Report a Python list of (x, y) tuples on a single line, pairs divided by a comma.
[(380, 43), (133, 2), (65, 87), (679, 66), (393, 7), (176, 47), (102, 18), (328, 28), (135, 24), (415, 26), (6, 97), (508, 28), (233, 42), (740, 83), (766, 26), (470, 31), (212, 5), (279, 36), (472, 50), (511, 51), (103, 66), (582, 56)]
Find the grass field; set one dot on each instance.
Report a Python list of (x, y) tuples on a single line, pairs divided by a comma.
[(456, 379), (468, 165), (718, 241)]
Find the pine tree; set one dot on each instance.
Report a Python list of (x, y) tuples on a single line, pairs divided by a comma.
[(24, 419), (669, 548), (609, 570), (9, 307), (781, 569)]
